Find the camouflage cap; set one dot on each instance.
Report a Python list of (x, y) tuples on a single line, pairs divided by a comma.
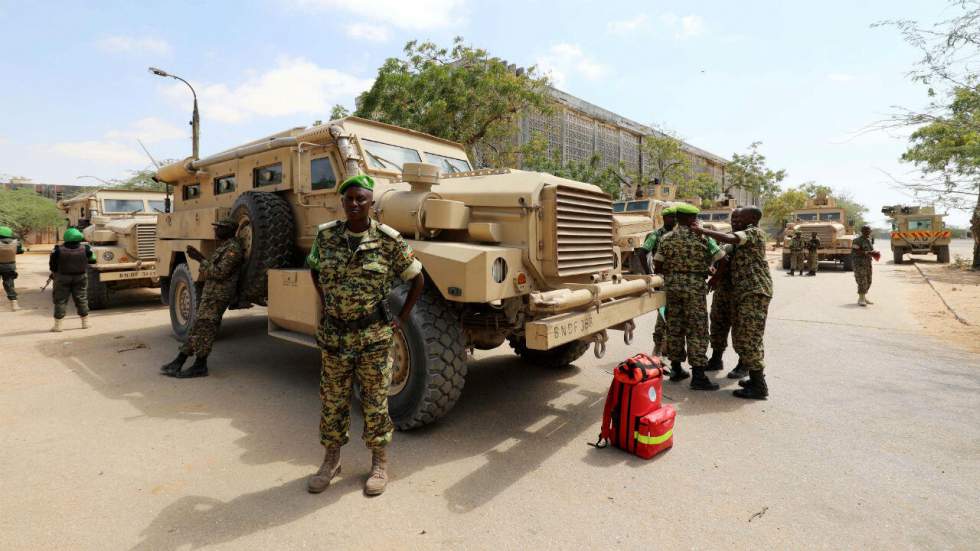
[(362, 181), (685, 208), (6, 232), (226, 222), (73, 235)]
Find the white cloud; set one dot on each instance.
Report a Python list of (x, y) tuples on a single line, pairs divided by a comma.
[(295, 86), (405, 14), (840, 77), (373, 33), (564, 59), (627, 25), (103, 151), (687, 26), (149, 130), (139, 45)]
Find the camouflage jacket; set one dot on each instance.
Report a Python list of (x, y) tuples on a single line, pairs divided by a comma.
[(750, 269), (685, 258), (796, 244), (220, 270), (859, 244), (813, 244), (650, 243)]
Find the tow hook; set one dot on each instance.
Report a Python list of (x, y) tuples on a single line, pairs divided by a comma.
[(600, 339), (629, 328)]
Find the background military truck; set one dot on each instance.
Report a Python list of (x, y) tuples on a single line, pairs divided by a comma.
[(717, 216), (918, 230), (121, 227), (632, 222), (822, 215), (508, 255)]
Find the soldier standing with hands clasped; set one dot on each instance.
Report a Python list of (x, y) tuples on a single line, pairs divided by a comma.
[(796, 253), (354, 265), (10, 247), (862, 249), (69, 268)]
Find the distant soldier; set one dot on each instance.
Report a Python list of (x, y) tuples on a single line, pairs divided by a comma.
[(354, 265), (753, 292), (796, 246), (861, 252), (10, 247), (220, 273), (649, 248), (69, 268), (685, 258), (722, 309), (813, 257)]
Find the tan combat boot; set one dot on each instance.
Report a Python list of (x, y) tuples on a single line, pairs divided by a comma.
[(13, 306), (57, 326), (861, 300), (867, 300), (85, 324), (378, 480), (329, 469)]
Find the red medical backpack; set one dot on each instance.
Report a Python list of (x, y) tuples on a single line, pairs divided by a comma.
[(633, 418)]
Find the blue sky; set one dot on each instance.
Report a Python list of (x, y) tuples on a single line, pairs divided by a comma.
[(801, 77)]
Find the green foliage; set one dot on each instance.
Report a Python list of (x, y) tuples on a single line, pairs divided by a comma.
[(460, 94), (338, 112), (140, 180), (535, 157), (701, 185), (665, 160), (777, 207), (24, 211), (751, 173)]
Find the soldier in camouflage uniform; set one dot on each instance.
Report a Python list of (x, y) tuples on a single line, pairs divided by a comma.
[(69, 268), (722, 308), (812, 254), (354, 265), (10, 247), (649, 247), (685, 259), (861, 251), (753, 291), (796, 246), (220, 273)]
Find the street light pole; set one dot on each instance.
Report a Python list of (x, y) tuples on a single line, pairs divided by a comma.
[(195, 117)]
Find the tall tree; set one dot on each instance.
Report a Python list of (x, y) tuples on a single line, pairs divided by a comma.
[(778, 207), (666, 161), (141, 180), (750, 172), (535, 157), (24, 211), (458, 93)]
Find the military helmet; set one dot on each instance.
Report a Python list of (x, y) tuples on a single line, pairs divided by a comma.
[(72, 235), (6, 231)]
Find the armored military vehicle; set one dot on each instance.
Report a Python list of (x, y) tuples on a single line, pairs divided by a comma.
[(509, 255), (632, 222), (121, 227), (718, 216), (822, 215), (918, 230)]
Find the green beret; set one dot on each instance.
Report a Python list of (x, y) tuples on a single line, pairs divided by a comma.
[(685, 208), (362, 181), (6, 232), (73, 235), (668, 211)]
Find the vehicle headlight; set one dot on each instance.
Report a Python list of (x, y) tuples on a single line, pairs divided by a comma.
[(107, 256), (498, 271)]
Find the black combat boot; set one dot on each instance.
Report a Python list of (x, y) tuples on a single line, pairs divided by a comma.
[(812, 274), (173, 367), (739, 372), (700, 381), (198, 369), (792, 273), (715, 363), (755, 388), (678, 373)]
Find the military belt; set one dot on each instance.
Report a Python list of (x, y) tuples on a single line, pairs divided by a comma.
[(381, 314)]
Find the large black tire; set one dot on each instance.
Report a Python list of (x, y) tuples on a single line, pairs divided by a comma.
[(183, 299), (897, 254), (266, 226), (436, 361), (786, 261), (942, 254), (98, 292), (847, 263), (556, 358)]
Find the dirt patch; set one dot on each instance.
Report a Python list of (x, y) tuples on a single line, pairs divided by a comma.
[(958, 320)]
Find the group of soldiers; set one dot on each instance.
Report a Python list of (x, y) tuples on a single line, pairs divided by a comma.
[(687, 255), (797, 261)]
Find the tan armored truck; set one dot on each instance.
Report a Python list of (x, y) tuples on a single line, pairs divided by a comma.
[(121, 227), (718, 216), (632, 222), (508, 255), (822, 215), (918, 230)]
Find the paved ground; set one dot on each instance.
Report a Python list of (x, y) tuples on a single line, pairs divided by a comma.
[(871, 439)]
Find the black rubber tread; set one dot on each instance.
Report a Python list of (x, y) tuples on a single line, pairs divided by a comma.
[(786, 261), (182, 272), (98, 292), (942, 254), (437, 346), (897, 255), (273, 235), (556, 358)]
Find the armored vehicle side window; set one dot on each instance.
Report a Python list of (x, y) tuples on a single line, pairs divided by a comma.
[(390, 157), (191, 192), (321, 174), (920, 224), (704, 217), (448, 165), (123, 205), (720, 216), (267, 175), (156, 206), (830, 216), (634, 206), (806, 216), (619, 206), (224, 184)]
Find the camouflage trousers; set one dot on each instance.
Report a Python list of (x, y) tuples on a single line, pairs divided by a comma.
[(660, 333), (796, 261), (862, 275), (207, 321), (722, 316), (74, 287), (813, 261), (687, 321), (8, 272), (370, 363), (749, 328)]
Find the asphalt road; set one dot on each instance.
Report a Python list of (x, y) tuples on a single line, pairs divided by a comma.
[(871, 439)]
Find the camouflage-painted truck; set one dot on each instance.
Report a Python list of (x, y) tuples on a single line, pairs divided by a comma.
[(508, 255), (121, 227), (822, 215), (918, 230)]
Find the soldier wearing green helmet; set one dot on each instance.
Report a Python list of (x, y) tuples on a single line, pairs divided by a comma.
[(10, 247), (69, 269)]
